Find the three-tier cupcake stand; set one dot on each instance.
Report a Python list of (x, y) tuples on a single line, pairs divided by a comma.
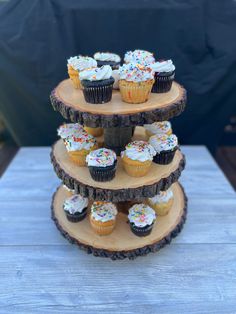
[(118, 118)]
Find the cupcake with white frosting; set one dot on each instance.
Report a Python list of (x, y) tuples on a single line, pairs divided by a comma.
[(103, 217), (107, 58), (162, 202), (79, 146), (141, 219), (139, 56), (77, 64), (160, 128), (164, 76), (135, 82), (75, 207), (97, 84), (102, 164), (137, 158), (165, 147), (68, 129)]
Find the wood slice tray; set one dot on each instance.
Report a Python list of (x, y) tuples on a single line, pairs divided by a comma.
[(121, 243), (122, 187), (71, 104)]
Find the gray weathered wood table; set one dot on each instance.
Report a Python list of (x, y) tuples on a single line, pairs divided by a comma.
[(40, 272)]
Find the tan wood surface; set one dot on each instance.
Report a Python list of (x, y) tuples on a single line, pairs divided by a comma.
[(121, 238), (122, 180), (74, 98)]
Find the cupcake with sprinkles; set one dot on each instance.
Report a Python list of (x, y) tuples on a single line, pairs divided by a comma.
[(79, 146), (141, 219), (162, 202), (137, 158), (107, 58), (103, 217), (165, 147), (164, 76), (102, 164), (139, 56), (97, 84), (75, 207), (77, 64), (163, 127), (68, 129), (135, 83)]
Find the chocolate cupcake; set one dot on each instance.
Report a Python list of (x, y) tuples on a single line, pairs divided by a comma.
[(102, 164), (107, 58), (164, 76), (141, 219), (75, 207), (165, 147), (97, 84)]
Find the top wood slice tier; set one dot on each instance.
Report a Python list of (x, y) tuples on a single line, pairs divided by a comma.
[(116, 113)]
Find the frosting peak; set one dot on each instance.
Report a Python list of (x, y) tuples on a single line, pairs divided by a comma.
[(163, 66), (139, 56), (106, 56), (76, 203), (103, 211), (141, 215), (96, 74), (135, 72), (101, 157), (81, 63), (164, 142), (139, 150)]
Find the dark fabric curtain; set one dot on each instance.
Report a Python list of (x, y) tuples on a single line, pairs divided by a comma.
[(37, 37)]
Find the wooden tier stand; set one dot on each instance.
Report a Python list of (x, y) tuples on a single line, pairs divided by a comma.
[(121, 243)]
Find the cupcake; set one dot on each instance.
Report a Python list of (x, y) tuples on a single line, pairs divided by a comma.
[(102, 164), (69, 129), (161, 128), (139, 56), (135, 83), (162, 202), (141, 219), (107, 58), (103, 217), (75, 207), (137, 158), (116, 76), (77, 64), (165, 147), (79, 146), (69, 191), (94, 131), (97, 84), (164, 76)]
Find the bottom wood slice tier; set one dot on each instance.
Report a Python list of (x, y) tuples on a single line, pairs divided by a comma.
[(121, 243)]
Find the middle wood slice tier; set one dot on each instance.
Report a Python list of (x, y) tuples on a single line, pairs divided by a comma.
[(123, 187)]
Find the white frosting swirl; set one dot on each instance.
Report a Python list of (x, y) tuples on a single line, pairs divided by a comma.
[(139, 150), (141, 215), (106, 56), (102, 157), (139, 56), (96, 74), (135, 73), (162, 142), (69, 129), (116, 76), (162, 197), (79, 142), (103, 211), (75, 204), (163, 66), (81, 63), (163, 127)]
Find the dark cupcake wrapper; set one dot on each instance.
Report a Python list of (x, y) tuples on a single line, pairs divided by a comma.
[(98, 92), (163, 82), (141, 231), (103, 174), (114, 65), (165, 157), (77, 216)]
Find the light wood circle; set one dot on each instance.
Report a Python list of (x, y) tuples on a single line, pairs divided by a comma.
[(121, 239)]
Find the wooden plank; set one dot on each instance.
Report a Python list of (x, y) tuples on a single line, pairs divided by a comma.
[(65, 280)]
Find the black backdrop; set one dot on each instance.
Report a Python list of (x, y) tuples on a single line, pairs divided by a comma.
[(37, 36)]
